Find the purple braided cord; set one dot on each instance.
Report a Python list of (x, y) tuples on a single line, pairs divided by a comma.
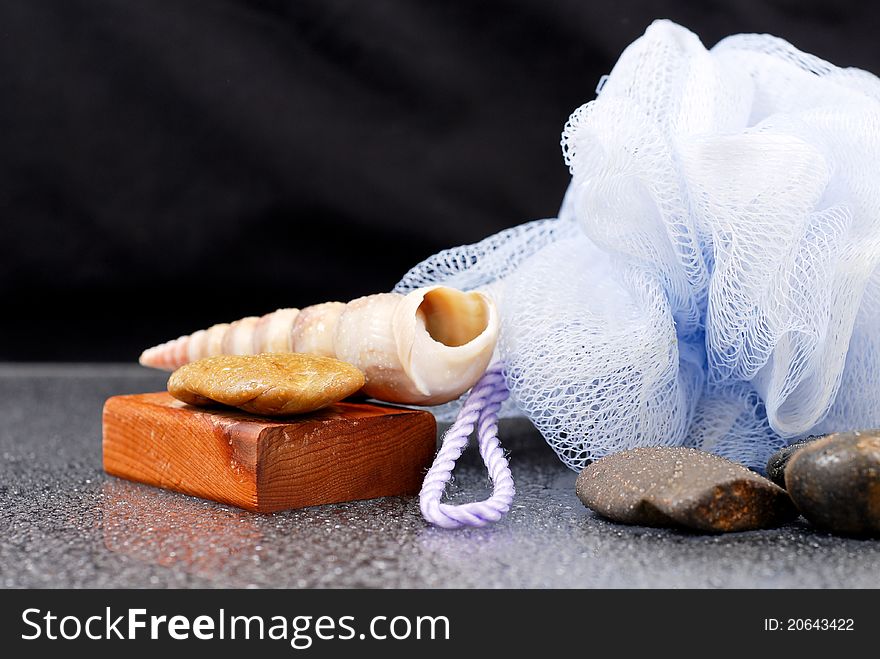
[(481, 409)]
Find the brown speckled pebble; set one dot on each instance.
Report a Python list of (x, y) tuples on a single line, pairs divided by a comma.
[(270, 384), (835, 482), (682, 487), (778, 461)]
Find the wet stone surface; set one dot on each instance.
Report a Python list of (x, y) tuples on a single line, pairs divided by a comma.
[(778, 461), (271, 384), (63, 522), (835, 482), (682, 487)]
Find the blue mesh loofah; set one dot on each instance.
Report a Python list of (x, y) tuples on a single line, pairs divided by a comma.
[(712, 279)]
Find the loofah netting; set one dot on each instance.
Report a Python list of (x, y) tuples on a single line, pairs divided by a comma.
[(712, 279)]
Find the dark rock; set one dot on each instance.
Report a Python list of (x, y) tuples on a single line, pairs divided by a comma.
[(835, 482), (776, 463), (683, 487)]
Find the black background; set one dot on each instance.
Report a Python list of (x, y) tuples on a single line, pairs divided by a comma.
[(169, 164)]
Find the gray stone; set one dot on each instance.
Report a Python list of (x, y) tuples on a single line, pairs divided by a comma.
[(778, 461), (682, 487), (835, 482)]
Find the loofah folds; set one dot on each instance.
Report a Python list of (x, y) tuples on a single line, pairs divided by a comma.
[(712, 279)]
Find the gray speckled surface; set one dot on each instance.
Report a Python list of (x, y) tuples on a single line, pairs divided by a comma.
[(63, 522)]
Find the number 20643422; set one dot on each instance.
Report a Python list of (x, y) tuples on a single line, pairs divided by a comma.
[(809, 624)]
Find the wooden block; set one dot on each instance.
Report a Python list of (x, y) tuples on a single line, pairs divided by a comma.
[(345, 452)]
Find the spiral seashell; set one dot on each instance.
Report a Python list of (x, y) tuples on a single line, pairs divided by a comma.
[(315, 327), (427, 347), (214, 339), (239, 338), (444, 337), (272, 332)]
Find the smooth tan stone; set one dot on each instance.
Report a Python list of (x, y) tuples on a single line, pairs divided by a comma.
[(269, 384)]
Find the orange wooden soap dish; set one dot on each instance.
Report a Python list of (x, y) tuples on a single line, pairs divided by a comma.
[(344, 452)]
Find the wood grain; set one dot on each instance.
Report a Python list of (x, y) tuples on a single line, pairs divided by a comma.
[(345, 452)]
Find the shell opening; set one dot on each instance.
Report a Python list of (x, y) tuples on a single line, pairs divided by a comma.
[(452, 317)]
